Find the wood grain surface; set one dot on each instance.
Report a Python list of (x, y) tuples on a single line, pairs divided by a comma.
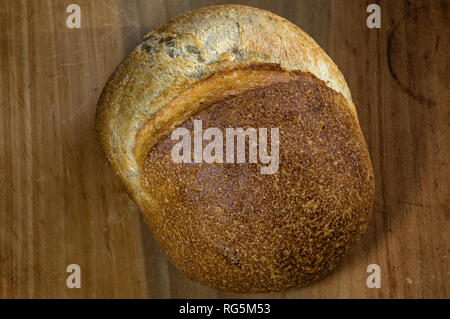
[(60, 202)]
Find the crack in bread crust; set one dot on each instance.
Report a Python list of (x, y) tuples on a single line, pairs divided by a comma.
[(205, 92)]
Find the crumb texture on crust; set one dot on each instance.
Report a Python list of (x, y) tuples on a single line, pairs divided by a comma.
[(191, 48), (233, 228)]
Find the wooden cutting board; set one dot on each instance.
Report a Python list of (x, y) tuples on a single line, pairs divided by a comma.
[(61, 204)]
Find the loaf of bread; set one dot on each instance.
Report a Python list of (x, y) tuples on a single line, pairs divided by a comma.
[(229, 225)]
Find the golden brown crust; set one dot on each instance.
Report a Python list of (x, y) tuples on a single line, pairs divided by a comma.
[(224, 49), (233, 228), (191, 48)]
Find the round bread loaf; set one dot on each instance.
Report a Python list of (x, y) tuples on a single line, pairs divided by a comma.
[(227, 224)]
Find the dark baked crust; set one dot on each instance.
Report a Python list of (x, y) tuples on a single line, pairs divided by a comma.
[(233, 228)]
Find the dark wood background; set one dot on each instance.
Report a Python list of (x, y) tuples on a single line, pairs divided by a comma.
[(61, 204)]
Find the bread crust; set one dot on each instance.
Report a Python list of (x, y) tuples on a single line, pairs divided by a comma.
[(185, 53), (188, 49)]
